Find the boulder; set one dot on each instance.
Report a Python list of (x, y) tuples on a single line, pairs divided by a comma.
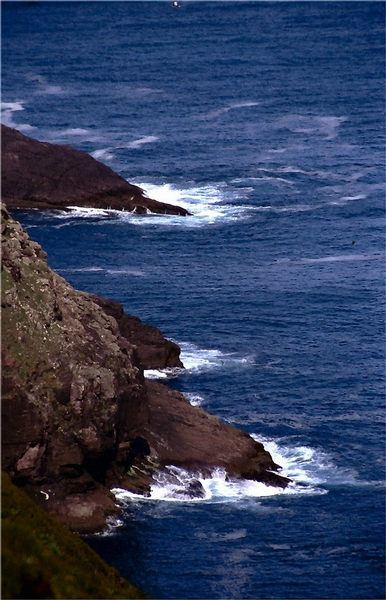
[(49, 176)]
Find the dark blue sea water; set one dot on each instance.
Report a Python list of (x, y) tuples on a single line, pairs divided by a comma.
[(266, 120)]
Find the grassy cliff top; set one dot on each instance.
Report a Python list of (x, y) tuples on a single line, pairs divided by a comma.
[(41, 558)]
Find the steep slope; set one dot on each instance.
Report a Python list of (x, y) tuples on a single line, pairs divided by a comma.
[(78, 417), (41, 558)]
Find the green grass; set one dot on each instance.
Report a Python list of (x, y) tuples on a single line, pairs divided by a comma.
[(41, 558)]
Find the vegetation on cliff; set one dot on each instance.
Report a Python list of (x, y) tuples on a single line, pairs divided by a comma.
[(41, 558)]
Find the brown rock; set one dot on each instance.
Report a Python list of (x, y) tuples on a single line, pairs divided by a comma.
[(43, 175), (78, 416), (187, 436), (151, 348)]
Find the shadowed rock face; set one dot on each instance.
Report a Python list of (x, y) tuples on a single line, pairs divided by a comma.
[(153, 351), (78, 417), (42, 175)]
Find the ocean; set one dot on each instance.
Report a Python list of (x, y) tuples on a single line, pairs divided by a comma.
[(266, 121)]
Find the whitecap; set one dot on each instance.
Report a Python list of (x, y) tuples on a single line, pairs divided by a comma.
[(75, 131), (339, 258), (213, 114), (103, 154), (148, 139)]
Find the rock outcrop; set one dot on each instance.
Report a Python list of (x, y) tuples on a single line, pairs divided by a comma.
[(152, 350), (78, 416), (43, 175)]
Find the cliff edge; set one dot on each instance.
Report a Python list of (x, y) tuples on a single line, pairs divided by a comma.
[(78, 416)]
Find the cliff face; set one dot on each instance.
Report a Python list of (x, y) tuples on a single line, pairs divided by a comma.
[(42, 175), (78, 415), (71, 389)]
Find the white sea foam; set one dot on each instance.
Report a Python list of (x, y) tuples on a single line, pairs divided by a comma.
[(124, 271), (311, 471), (194, 399), (147, 139), (103, 154), (329, 259), (325, 126), (174, 484), (208, 204), (76, 131), (213, 114), (7, 110), (307, 466), (201, 360)]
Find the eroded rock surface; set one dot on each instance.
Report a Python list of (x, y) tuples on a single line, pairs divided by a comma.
[(78, 416), (43, 175)]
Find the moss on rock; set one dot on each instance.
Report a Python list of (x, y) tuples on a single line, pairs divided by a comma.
[(41, 558)]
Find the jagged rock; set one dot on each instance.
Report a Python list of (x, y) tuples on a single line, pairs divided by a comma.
[(189, 437), (43, 175), (152, 349), (78, 416)]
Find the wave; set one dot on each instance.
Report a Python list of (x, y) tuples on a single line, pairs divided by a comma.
[(148, 139), (325, 126), (194, 399), (201, 360), (307, 465), (7, 110), (329, 259), (308, 468), (124, 271), (213, 114), (311, 470), (208, 204), (175, 484), (103, 154)]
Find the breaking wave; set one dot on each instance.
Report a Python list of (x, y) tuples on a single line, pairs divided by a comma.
[(311, 471), (7, 110), (201, 360)]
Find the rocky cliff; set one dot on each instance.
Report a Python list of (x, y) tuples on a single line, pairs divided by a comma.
[(78, 416), (42, 175)]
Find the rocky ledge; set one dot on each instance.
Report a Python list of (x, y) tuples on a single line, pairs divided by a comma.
[(78, 416), (48, 176)]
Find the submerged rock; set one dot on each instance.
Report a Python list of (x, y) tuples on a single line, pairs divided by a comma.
[(78, 416), (43, 175)]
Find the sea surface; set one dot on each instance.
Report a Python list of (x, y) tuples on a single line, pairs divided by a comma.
[(265, 120)]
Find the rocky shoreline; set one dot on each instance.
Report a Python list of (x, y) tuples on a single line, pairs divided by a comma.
[(49, 176), (79, 417)]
